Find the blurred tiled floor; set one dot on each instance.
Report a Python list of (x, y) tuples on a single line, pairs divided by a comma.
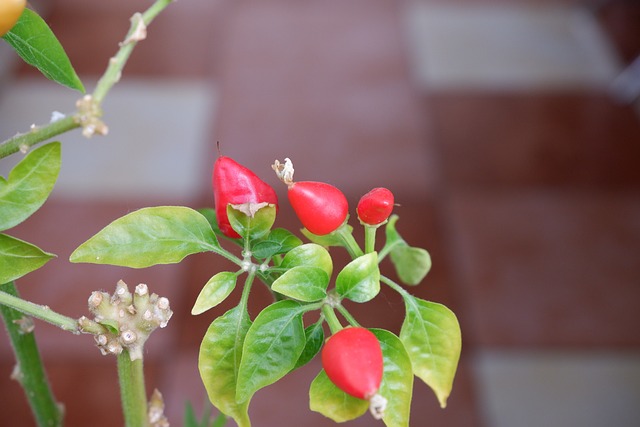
[(510, 163)]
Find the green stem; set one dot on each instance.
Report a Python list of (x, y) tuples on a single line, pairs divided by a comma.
[(37, 134), (118, 61), (246, 290), (132, 390), (393, 285), (110, 77), (332, 319), (345, 313), (226, 254), (369, 238), (42, 312), (30, 372), (349, 241), (386, 250)]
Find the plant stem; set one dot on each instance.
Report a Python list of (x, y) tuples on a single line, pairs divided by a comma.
[(42, 312), (345, 313), (349, 241), (110, 77), (246, 290), (386, 250), (29, 371), (132, 390), (370, 238), (393, 285), (117, 62), (332, 319), (37, 134)]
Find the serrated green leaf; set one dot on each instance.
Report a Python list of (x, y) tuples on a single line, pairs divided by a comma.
[(314, 336), (311, 255), (252, 220), (271, 348), (215, 291), (431, 335), (412, 264), (18, 258), (397, 379), (218, 361), (303, 283), (149, 236), (36, 44), (333, 403), (278, 241), (28, 185), (359, 280)]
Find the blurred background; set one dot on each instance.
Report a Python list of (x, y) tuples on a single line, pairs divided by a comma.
[(506, 129)]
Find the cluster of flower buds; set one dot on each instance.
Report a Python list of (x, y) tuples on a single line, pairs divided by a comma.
[(125, 320)]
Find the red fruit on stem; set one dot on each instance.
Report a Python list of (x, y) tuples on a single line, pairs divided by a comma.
[(352, 359), (235, 184), (320, 207), (375, 206)]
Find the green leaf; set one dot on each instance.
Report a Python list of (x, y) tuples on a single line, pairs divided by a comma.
[(29, 184), (189, 419), (216, 290), (311, 255), (18, 258), (36, 44), (218, 361), (397, 379), (303, 283), (314, 335), (333, 403), (359, 280), (271, 348), (412, 264), (431, 335), (210, 215), (149, 236), (278, 241), (252, 220), (331, 239)]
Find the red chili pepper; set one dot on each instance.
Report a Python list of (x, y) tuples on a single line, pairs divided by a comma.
[(352, 359), (321, 207), (375, 206), (235, 184)]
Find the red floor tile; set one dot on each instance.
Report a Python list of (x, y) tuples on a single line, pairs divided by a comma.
[(548, 269), (288, 399), (325, 84), (88, 390), (518, 142), (180, 41)]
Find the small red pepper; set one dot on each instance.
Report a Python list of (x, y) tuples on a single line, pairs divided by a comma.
[(235, 184), (375, 207), (320, 207)]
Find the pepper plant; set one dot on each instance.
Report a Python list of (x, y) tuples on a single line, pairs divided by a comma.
[(240, 355), (364, 367)]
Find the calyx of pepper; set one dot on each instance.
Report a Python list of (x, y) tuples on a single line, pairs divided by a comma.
[(250, 208)]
